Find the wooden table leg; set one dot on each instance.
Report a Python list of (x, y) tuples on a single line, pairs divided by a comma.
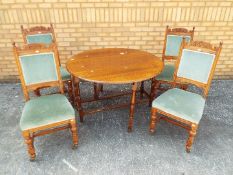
[(101, 87), (142, 89), (132, 106), (96, 91), (78, 98)]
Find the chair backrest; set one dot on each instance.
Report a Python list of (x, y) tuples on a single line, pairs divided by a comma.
[(38, 34), (38, 67), (196, 64), (173, 40)]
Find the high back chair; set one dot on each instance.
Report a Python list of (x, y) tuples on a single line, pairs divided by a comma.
[(195, 65), (38, 67), (172, 43), (46, 35)]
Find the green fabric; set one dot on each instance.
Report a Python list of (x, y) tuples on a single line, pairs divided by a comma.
[(46, 110), (180, 103), (38, 68), (195, 65), (65, 75), (167, 73), (173, 44), (40, 38)]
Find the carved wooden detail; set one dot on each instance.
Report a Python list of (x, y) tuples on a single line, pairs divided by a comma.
[(35, 48), (37, 29), (179, 30), (202, 44)]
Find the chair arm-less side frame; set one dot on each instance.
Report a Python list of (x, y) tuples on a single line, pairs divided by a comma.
[(181, 107), (38, 67)]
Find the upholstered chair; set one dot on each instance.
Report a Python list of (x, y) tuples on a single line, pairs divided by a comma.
[(195, 65), (38, 67), (46, 35), (172, 43)]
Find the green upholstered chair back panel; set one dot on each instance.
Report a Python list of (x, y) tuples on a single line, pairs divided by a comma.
[(173, 44), (38, 68), (195, 65), (40, 38)]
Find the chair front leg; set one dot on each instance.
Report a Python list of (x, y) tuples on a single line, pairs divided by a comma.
[(192, 134), (153, 120), (74, 133), (29, 141)]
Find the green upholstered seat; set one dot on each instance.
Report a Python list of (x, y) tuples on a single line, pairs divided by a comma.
[(195, 65), (46, 38), (46, 110), (173, 44), (180, 103), (38, 68), (167, 73), (65, 75)]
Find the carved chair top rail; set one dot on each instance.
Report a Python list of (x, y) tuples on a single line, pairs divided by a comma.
[(179, 31), (37, 30)]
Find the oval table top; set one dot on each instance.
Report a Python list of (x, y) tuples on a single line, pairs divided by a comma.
[(114, 65)]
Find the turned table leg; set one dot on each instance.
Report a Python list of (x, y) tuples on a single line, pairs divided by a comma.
[(101, 87), (132, 106), (78, 98), (96, 91), (70, 91), (142, 89)]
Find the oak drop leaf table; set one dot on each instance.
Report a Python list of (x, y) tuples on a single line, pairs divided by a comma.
[(113, 66)]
